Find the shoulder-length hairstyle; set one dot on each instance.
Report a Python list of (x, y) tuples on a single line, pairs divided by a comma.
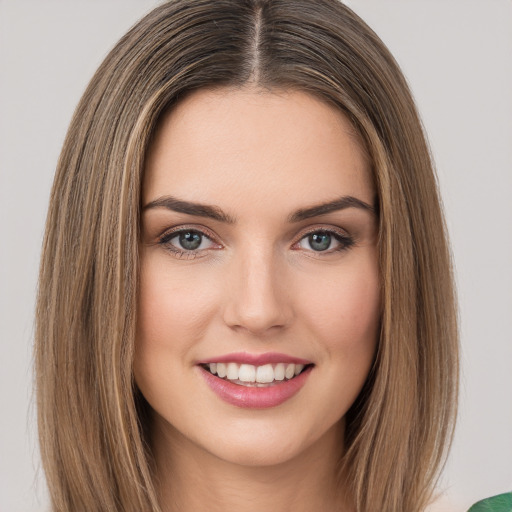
[(91, 417)]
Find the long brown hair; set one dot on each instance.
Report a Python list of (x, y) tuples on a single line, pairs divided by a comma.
[(91, 418)]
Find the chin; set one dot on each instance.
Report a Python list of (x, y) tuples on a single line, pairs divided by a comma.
[(251, 454), (266, 444)]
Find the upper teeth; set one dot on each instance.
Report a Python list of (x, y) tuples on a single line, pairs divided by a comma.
[(250, 373)]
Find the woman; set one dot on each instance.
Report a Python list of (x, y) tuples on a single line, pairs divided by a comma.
[(246, 297)]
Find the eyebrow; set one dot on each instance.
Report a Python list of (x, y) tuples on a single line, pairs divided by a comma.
[(215, 213), (341, 203), (189, 208)]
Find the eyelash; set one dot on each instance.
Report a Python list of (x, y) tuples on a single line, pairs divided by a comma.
[(166, 238), (345, 242)]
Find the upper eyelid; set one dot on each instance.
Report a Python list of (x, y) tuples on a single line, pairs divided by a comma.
[(179, 229), (207, 232), (323, 229)]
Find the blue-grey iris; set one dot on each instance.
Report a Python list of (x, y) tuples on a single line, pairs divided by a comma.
[(190, 240), (320, 241)]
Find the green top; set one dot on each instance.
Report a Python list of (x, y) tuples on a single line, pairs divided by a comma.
[(500, 503)]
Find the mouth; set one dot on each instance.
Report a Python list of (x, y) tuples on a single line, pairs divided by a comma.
[(255, 381), (250, 375)]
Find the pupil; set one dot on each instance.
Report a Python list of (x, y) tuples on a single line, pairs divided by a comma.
[(190, 240), (320, 241)]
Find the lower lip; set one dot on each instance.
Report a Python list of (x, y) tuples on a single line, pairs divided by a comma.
[(255, 397)]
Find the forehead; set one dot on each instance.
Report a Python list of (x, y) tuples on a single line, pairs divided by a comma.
[(285, 146)]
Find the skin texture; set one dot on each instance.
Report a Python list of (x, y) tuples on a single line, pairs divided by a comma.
[(255, 285)]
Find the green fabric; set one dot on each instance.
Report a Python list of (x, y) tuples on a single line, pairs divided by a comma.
[(501, 503)]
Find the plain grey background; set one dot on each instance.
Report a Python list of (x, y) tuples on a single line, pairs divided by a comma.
[(457, 56)]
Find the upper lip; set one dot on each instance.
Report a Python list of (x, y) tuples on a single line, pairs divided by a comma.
[(255, 359)]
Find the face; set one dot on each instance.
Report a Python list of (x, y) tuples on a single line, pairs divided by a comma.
[(259, 298)]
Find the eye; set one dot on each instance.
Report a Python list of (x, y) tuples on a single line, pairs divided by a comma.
[(325, 241), (187, 242)]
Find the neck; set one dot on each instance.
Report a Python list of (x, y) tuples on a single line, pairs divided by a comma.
[(190, 478)]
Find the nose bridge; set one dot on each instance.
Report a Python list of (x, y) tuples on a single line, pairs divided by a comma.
[(258, 300)]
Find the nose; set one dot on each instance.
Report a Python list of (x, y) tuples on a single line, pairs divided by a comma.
[(258, 301)]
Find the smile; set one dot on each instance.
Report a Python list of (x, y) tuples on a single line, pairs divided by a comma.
[(255, 382), (255, 376)]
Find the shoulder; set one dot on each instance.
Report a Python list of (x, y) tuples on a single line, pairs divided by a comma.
[(500, 503)]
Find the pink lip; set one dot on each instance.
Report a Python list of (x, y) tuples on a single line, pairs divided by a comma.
[(255, 359), (255, 397)]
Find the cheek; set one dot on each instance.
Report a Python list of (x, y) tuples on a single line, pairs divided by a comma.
[(173, 306), (345, 309), (173, 314)]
